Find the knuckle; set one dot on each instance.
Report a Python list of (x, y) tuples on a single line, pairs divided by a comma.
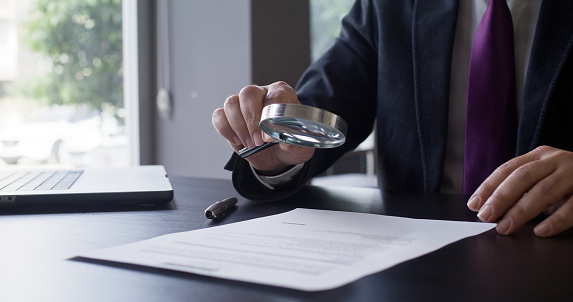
[(486, 188), (505, 169), (281, 85), (250, 99), (232, 101), (499, 195), (281, 91), (563, 156), (519, 211), (217, 114), (250, 90), (543, 149), (544, 188), (523, 172)]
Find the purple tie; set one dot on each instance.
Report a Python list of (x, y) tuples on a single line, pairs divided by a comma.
[(491, 115)]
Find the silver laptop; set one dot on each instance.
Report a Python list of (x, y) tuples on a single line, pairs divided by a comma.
[(130, 185)]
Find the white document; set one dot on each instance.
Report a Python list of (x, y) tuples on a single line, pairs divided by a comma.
[(302, 249)]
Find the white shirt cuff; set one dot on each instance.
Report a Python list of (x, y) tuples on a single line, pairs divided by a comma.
[(271, 181)]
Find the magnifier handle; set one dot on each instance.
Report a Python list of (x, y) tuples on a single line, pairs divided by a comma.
[(246, 152)]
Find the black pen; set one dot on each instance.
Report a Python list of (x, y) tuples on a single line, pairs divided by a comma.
[(218, 209)]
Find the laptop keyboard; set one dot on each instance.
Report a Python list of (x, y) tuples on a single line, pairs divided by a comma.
[(38, 180)]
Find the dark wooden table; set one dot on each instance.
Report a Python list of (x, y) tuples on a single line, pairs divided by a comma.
[(38, 249)]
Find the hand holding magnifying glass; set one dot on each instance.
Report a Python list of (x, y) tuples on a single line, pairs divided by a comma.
[(300, 125)]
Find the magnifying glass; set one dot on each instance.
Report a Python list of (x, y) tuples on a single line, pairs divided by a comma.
[(300, 125)]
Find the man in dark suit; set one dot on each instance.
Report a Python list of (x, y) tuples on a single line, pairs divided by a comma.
[(398, 62)]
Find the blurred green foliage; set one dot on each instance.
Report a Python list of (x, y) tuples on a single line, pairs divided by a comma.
[(325, 23), (82, 39)]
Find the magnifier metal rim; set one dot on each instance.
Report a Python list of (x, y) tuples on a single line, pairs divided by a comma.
[(299, 111)]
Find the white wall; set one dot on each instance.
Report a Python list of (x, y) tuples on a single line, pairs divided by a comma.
[(211, 43), (209, 60)]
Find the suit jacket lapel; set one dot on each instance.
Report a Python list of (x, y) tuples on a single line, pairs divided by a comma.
[(551, 46), (433, 31)]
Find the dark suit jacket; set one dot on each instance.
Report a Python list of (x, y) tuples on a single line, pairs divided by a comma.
[(392, 64)]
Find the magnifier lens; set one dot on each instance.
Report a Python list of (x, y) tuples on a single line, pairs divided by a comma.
[(300, 125), (302, 132)]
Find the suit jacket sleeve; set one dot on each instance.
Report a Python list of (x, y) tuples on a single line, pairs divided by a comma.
[(343, 81)]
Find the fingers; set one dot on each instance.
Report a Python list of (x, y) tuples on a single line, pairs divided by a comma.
[(238, 120), (493, 182), (280, 92), (539, 196), (557, 222), (532, 178), (221, 124), (251, 102), (295, 154), (554, 207), (524, 187)]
